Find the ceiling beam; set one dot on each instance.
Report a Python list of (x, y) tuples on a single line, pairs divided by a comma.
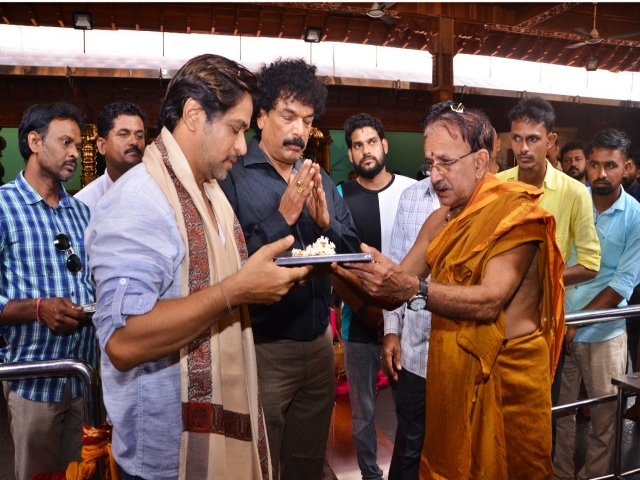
[(188, 18), (546, 15), (137, 16), (348, 31), (281, 31), (32, 15), (59, 15), (236, 21), (113, 17), (213, 18), (5, 18)]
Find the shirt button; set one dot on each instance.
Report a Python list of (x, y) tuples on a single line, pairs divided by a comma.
[(123, 281), (576, 287)]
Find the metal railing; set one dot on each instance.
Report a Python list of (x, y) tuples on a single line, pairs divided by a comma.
[(61, 368), (589, 317)]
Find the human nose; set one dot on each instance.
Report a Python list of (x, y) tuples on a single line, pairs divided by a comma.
[(241, 145), (435, 174)]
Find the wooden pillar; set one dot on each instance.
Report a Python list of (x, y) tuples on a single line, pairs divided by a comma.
[(443, 52)]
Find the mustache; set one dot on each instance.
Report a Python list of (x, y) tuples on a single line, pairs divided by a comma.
[(525, 156), (297, 141), (442, 185), (133, 149), (369, 157)]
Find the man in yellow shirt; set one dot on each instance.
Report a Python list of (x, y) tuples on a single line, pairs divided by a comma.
[(566, 199)]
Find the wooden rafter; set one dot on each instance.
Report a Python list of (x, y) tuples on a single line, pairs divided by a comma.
[(113, 17), (281, 31), (513, 46), (4, 15), (546, 15), (305, 24), (162, 17), (137, 16), (188, 18), (236, 20), (32, 15), (213, 18), (59, 15), (348, 30), (259, 27)]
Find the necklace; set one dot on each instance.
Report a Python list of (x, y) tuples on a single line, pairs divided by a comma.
[(447, 218)]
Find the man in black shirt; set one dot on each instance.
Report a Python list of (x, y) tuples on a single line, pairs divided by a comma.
[(274, 193)]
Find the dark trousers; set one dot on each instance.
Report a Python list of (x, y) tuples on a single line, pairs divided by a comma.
[(298, 392), (410, 410)]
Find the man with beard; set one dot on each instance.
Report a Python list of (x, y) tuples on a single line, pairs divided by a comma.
[(276, 193), (574, 161), (121, 141), (598, 351), (44, 283), (372, 199)]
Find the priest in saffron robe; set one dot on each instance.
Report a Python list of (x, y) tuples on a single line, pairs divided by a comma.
[(496, 296)]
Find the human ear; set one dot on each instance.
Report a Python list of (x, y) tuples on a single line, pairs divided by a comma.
[(101, 145), (190, 113), (35, 142), (261, 118)]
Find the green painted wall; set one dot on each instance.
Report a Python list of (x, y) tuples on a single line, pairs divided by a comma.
[(405, 154), (13, 162)]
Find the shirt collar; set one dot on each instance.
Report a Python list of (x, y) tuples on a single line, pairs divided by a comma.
[(619, 204), (550, 177), (32, 197), (256, 155)]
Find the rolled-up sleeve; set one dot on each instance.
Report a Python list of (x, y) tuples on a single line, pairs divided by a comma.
[(627, 274), (585, 237), (135, 252)]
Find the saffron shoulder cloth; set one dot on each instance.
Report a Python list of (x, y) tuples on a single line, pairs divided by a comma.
[(223, 434), (468, 364)]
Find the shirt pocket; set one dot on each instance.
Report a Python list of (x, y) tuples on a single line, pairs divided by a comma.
[(610, 251)]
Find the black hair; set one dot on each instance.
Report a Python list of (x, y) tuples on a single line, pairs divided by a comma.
[(292, 78), (216, 82), (536, 109), (473, 124), (37, 118), (575, 145), (361, 120), (610, 139), (634, 154), (113, 111)]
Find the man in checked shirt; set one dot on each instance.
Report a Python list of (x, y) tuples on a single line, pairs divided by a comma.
[(44, 281), (406, 338)]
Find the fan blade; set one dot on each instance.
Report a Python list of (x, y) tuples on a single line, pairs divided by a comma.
[(577, 45), (389, 20), (582, 31), (623, 35)]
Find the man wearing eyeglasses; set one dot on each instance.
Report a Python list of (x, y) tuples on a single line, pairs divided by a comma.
[(496, 305), (121, 141), (44, 283)]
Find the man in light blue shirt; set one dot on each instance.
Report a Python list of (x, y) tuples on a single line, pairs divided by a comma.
[(406, 338), (596, 352)]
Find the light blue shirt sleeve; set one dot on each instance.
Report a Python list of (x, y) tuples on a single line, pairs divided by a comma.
[(135, 250)]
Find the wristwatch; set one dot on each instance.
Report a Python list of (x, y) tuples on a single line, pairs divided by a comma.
[(419, 300)]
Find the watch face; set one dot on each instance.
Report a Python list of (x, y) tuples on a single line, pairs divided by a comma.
[(417, 303)]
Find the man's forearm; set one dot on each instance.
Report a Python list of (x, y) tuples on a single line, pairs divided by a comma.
[(349, 288), (168, 327), (577, 274), (457, 302), (19, 311)]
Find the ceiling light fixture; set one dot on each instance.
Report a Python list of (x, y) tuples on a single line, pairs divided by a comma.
[(592, 63), (82, 21), (313, 34)]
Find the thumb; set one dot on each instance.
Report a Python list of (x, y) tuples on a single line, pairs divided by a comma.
[(377, 256), (272, 249)]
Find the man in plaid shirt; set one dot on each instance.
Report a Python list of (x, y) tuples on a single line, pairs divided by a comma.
[(44, 282)]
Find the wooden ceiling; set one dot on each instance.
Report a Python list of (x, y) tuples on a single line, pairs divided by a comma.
[(538, 32)]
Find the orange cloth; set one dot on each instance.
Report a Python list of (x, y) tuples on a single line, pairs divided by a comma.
[(488, 405), (96, 447)]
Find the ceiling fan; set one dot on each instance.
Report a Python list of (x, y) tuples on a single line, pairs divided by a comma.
[(593, 37), (377, 10)]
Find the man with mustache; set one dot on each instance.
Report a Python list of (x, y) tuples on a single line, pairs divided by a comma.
[(372, 199), (275, 193), (532, 121), (597, 352), (44, 283), (574, 161), (487, 267), (121, 141)]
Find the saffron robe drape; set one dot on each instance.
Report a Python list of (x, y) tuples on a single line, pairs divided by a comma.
[(488, 405)]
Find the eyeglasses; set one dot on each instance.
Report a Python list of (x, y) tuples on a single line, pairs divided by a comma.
[(63, 244), (457, 108), (442, 167)]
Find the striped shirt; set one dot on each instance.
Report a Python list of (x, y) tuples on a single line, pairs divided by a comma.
[(414, 328), (31, 267)]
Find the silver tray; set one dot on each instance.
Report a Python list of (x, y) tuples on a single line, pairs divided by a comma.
[(286, 260)]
